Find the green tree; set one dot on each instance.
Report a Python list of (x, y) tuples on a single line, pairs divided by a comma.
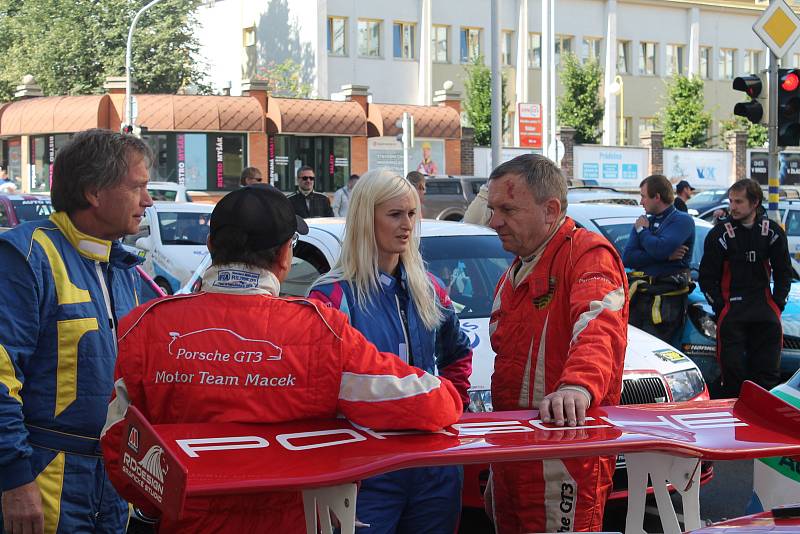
[(684, 120), (478, 105), (284, 79), (580, 106), (71, 46), (756, 133)]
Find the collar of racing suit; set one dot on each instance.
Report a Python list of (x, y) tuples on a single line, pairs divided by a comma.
[(240, 279), (527, 263)]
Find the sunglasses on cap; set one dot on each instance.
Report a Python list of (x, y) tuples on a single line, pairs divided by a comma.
[(295, 238)]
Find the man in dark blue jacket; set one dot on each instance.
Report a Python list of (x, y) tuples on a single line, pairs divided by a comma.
[(659, 250)]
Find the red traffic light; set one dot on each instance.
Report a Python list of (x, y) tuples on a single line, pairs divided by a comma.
[(790, 82), (750, 84)]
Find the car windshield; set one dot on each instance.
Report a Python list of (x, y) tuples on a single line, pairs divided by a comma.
[(32, 210), (707, 197), (183, 228), (159, 195), (469, 267), (618, 230)]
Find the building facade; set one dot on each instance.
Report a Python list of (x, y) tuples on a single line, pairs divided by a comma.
[(406, 49)]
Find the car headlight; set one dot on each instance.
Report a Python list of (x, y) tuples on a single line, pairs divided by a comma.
[(685, 385), (703, 321), (480, 400)]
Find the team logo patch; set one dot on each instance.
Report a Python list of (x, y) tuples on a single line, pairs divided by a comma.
[(544, 288), (236, 279), (133, 439)]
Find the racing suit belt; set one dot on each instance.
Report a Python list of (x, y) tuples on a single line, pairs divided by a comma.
[(62, 441)]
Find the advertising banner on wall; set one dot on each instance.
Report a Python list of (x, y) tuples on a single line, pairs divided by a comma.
[(530, 125), (789, 165), (426, 156), (623, 167), (704, 169)]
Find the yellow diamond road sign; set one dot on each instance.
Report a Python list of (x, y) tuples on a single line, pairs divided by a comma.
[(778, 27)]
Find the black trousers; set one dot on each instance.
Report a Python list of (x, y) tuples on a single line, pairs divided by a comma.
[(749, 349), (672, 311)]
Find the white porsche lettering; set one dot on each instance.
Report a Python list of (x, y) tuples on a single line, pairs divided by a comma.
[(194, 445), (248, 357)]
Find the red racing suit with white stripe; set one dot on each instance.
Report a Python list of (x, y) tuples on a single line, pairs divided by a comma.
[(305, 361), (563, 325)]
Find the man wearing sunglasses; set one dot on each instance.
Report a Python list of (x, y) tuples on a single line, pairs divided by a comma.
[(306, 202)]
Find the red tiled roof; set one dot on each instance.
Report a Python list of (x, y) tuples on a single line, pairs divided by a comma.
[(429, 121), (55, 114), (294, 115), (201, 113)]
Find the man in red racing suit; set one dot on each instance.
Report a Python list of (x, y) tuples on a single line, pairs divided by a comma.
[(238, 352), (559, 328)]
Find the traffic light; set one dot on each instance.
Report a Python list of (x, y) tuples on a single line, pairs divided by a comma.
[(788, 107), (752, 110)]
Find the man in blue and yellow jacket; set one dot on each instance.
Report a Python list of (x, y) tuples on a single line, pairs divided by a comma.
[(67, 282)]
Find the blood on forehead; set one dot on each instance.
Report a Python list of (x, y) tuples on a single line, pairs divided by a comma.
[(510, 189)]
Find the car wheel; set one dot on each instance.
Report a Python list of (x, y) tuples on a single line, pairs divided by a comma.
[(164, 285)]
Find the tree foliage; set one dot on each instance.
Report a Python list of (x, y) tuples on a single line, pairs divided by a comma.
[(284, 79), (684, 120), (71, 46), (580, 106), (478, 105), (756, 133)]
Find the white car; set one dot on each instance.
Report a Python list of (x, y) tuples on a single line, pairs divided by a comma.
[(172, 239), (168, 192), (469, 260)]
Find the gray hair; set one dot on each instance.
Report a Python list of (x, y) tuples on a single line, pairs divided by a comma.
[(542, 176), (94, 159)]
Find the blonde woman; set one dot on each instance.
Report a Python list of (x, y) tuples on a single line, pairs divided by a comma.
[(381, 284)]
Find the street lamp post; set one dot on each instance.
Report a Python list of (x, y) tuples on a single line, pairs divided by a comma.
[(618, 88), (128, 97)]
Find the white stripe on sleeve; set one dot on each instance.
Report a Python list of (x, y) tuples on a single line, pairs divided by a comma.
[(375, 388), (613, 301)]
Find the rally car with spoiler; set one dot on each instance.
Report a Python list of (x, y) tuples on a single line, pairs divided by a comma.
[(169, 465)]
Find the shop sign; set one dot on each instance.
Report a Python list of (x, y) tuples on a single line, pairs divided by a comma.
[(529, 117), (611, 167), (426, 156), (220, 160), (181, 144), (704, 169), (789, 167)]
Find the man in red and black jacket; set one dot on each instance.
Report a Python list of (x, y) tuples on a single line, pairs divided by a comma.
[(742, 253)]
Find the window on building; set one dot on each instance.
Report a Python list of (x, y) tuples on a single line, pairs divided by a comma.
[(591, 48), (646, 124), (534, 50), (623, 57), (440, 36), (203, 161), (43, 150), (337, 36), (507, 43), (470, 44), (369, 37), (727, 60), (647, 59), (249, 36), (752, 61), (404, 40), (675, 63), (705, 62), (563, 46)]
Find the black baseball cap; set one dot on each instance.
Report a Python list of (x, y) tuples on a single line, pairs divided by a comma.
[(260, 211), (683, 184)]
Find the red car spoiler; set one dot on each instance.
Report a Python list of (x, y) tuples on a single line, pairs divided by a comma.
[(173, 463)]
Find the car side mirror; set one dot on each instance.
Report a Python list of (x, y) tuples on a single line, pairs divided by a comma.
[(144, 243)]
